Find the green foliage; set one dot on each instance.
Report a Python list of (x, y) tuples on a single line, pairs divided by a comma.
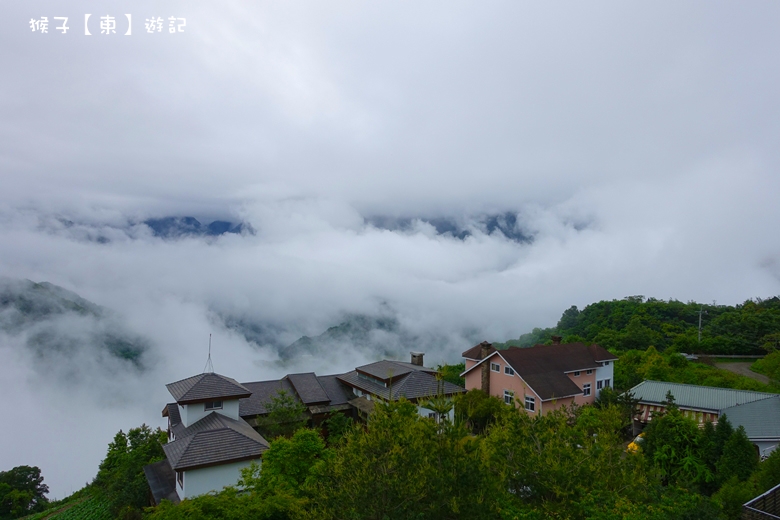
[(120, 479), (286, 414), (477, 410), (739, 457), (338, 425), (672, 444), (635, 366), (769, 366), (732, 495), (451, 373), (636, 323), (230, 504), (22, 492)]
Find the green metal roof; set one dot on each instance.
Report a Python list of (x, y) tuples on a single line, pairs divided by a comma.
[(695, 397)]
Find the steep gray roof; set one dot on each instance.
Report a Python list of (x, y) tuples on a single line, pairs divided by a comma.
[(696, 397), (387, 369), (214, 439), (415, 385), (162, 481), (761, 419), (308, 388), (335, 393), (172, 410), (206, 387)]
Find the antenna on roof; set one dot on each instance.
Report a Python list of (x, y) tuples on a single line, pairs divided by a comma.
[(209, 366)]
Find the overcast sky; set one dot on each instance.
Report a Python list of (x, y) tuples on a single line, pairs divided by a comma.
[(638, 145)]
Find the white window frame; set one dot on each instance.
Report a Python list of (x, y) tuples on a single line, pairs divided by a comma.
[(495, 367), (599, 384), (530, 403), (605, 363), (509, 397), (589, 372), (509, 370), (212, 405), (606, 383), (576, 373), (586, 389)]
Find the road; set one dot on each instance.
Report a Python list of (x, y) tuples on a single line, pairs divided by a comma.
[(743, 369)]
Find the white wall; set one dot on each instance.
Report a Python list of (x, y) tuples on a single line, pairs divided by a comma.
[(765, 447), (425, 411), (214, 478), (192, 413), (607, 372)]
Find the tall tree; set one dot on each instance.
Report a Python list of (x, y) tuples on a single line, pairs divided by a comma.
[(22, 492)]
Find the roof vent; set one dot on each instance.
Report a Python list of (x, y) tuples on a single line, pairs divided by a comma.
[(417, 358), (556, 340)]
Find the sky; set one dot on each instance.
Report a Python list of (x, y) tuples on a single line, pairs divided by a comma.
[(636, 144)]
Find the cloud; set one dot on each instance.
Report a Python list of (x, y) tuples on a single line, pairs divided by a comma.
[(635, 144)]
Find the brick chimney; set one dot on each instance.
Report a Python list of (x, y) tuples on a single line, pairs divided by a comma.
[(484, 350), (556, 340), (417, 358)]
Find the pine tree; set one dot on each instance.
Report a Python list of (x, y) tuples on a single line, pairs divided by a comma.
[(739, 457)]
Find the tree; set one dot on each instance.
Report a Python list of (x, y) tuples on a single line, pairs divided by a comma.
[(121, 478), (286, 414), (22, 492), (739, 457), (672, 445), (477, 409)]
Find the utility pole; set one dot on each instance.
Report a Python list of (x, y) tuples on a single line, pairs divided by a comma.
[(701, 311)]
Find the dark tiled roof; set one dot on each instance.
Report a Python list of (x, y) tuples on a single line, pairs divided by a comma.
[(214, 439), (262, 392), (415, 385), (172, 410), (475, 352), (205, 387), (387, 370), (308, 388), (335, 393), (543, 367), (162, 481)]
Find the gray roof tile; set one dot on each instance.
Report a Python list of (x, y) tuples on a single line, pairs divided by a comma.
[(214, 439), (413, 386), (205, 387), (761, 419), (387, 369), (308, 388)]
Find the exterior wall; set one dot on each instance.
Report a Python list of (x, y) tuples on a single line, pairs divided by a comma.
[(765, 447), (425, 411), (556, 404), (606, 372), (470, 363), (580, 382), (474, 379), (214, 478), (192, 413)]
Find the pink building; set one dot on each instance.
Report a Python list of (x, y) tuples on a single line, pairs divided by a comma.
[(540, 378)]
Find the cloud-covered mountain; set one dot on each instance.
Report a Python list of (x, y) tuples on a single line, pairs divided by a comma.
[(56, 324), (176, 227), (506, 224)]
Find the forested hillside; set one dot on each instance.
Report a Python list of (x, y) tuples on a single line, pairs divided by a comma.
[(636, 323)]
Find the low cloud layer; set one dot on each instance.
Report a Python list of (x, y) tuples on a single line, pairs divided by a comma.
[(630, 149)]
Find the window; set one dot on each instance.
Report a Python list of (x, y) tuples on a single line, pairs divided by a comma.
[(495, 367), (509, 397), (432, 415), (586, 389), (530, 403), (509, 370), (180, 478), (576, 373), (606, 383), (589, 372), (606, 363), (214, 405), (599, 384)]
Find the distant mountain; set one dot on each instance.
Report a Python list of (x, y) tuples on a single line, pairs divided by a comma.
[(177, 227), (52, 320), (505, 224)]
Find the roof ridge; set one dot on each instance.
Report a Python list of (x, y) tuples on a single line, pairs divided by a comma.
[(708, 387)]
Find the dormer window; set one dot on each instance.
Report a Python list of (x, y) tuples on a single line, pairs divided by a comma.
[(213, 405)]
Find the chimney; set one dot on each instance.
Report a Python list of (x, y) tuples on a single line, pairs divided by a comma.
[(417, 358), (484, 350), (556, 340)]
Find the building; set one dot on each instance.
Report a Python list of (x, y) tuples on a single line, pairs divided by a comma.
[(211, 424), (540, 378), (757, 412)]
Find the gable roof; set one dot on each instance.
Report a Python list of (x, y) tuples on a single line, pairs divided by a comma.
[(413, 385), (162, 481), (206, 387), (214, 439), (695, 397), (335, 393), (544, 367), (388, 370), (475, 352)]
